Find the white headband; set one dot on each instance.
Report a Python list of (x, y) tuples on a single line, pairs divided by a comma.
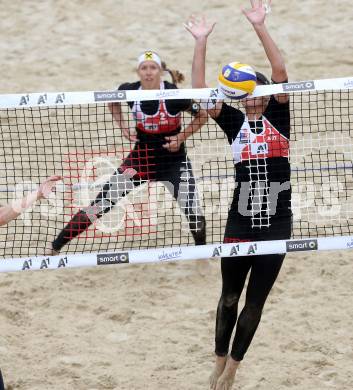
[(149, 56)]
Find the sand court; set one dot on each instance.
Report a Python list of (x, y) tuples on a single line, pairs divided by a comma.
[(152, 326)]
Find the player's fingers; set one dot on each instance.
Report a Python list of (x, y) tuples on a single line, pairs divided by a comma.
[(55, 178), (129, 172), (186, 27)]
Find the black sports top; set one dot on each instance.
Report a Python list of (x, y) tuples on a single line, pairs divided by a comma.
[(261, 156), (156, 119)]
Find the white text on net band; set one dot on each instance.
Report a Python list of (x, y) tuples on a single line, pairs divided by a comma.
[(49, 99), (186, 253)]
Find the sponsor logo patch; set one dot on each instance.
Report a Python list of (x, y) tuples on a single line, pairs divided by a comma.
[(302, 245), (112, 258), (148, 56), (302, 86), (259, 148), (244, 137), (109, 96)]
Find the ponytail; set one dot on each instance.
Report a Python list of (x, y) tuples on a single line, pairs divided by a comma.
[(177, 77)]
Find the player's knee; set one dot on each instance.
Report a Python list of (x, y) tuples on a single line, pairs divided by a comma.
[(230, 299)]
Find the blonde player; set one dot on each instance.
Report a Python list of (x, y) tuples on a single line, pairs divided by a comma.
[(159, 152)]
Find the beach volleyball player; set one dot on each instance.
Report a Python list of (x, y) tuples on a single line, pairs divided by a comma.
[(259, 138), (17, 207), (159, 153)]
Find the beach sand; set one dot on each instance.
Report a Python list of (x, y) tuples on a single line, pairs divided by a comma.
[(152, 326)]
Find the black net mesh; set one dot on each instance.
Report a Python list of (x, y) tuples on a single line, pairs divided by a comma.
[(118, 194)]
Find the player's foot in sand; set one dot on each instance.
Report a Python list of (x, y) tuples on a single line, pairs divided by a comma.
[(217, 371), (226, 380)]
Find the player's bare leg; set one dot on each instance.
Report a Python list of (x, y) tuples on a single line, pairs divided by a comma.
[(226, 380), (218, 369)]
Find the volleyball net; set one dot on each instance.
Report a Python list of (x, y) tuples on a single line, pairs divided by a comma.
[(122, 201)]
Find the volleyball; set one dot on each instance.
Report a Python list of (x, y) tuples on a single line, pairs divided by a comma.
[(237, 80)]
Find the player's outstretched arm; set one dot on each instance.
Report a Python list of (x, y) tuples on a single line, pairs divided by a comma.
[(12, 211), (256, 16), (200, 29), (115, 109)]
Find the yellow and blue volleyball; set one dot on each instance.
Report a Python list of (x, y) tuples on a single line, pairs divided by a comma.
[(237, 80)]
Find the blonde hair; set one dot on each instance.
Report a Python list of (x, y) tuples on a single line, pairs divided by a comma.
[(177, 77)]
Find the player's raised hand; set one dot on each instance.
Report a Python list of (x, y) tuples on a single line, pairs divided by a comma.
[(199, 27), (257, 13)]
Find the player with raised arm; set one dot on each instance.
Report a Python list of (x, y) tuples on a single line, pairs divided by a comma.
[(259, 137), (159, 153), (18, 206)]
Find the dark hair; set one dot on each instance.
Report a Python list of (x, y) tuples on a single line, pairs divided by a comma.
[(261, 78), (177, 77)]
